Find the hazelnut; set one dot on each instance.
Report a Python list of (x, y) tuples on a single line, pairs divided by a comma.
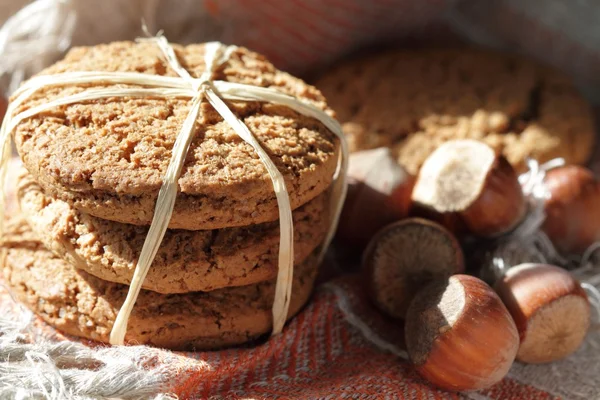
[(468, 188), (379, 192), (550, 309), (459, 335), (405, 256), (572, 208), (3, 107)]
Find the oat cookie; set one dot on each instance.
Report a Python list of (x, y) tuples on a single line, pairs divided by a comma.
[(107, 157), (412, 101), (187, 261), (80, 304)]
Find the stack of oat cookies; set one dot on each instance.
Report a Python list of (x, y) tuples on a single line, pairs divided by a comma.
[(92, 175)]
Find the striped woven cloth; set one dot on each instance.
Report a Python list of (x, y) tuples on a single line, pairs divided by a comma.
[(339, 346)]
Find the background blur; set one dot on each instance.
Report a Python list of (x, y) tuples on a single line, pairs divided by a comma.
[(302, 36)]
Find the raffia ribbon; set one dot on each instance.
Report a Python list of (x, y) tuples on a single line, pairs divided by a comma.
[(197, 89)]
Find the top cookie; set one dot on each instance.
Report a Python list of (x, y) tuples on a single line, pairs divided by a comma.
[(107, 157), (412, 101)]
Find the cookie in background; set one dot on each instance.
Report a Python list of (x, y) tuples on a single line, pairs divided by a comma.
[(412, 101)]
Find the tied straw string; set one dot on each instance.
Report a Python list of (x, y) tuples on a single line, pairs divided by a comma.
[(197, 89)]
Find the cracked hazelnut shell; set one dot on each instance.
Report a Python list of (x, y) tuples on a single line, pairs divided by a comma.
[(469, 188)]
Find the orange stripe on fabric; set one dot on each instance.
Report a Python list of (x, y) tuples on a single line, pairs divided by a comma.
[(281, 46), (323, 16), (314, 352), (252, 365), (279, 346), (364, 19), (293, 349), (226, 371), (349, 24), (259, 47), (297, 31)]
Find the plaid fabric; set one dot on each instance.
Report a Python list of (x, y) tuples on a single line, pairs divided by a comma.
[(339, 346)]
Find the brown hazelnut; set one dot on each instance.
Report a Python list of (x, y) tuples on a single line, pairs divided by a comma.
[(405, 256), (459, 335), (550, 309), (572, 209), (3, 107), (467, 187), (379, 192)]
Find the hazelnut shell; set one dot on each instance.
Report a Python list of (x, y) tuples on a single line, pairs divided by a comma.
[(550, 309), (405, 256), (379, 193), (573, 209), (468, 188), (459, 335)]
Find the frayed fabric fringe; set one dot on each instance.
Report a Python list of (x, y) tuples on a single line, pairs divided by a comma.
[(34, 368)]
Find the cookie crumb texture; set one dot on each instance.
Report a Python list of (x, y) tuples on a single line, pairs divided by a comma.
[(82, 305), (107, 157), (413, 101), (186, 261)]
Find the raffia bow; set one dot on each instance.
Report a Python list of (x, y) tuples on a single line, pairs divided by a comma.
[(197, 89)]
